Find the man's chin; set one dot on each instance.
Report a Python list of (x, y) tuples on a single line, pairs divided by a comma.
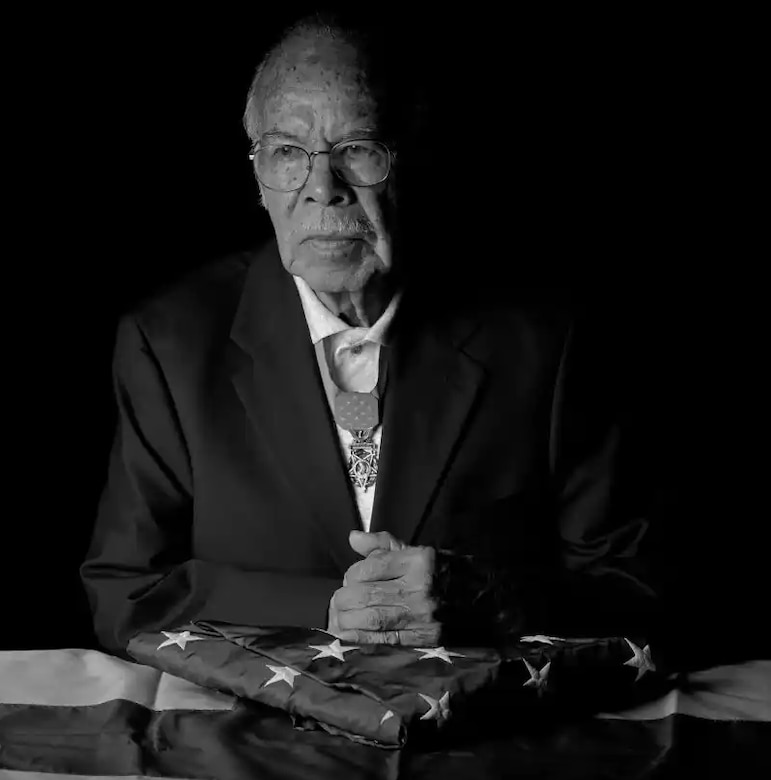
[(334, 272)]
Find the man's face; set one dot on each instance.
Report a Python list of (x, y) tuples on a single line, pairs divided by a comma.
[(333, 235)]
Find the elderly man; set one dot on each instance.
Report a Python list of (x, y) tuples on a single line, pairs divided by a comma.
[(302, 442)]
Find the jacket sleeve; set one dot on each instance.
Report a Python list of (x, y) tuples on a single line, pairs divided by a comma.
[(139, 573), (578, 568)]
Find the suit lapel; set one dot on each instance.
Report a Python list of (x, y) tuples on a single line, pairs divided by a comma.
[(432, 386), (278, 382)]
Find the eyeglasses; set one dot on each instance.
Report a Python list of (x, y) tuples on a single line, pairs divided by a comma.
[(358, 163)]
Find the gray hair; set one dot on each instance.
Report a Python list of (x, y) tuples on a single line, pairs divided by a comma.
[(370, 36), (316, 25)]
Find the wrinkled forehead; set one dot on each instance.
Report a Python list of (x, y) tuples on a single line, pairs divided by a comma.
[(317, 81)]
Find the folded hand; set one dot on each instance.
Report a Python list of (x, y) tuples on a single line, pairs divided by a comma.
[(386, 597)]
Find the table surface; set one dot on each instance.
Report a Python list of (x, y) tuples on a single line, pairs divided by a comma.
[(81, 713)]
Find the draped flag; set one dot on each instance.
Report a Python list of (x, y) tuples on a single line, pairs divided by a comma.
[(84, 714), (383, 694)]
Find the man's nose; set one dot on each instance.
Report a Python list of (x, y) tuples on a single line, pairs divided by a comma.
[(323, 187)]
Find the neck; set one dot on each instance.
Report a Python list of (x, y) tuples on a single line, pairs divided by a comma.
[(360, 308)]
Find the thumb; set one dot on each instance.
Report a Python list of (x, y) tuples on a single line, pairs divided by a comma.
[(365, 543)]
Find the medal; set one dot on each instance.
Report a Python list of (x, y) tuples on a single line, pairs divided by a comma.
[(359, 414)]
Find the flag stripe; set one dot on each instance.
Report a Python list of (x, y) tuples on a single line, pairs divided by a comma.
[(125, 740), (120, 738), (76, 677), (741, 692), (13, 774)]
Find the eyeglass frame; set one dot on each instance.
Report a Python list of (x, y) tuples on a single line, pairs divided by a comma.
[(310, 155)]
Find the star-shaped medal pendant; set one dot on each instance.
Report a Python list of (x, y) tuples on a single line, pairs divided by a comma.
[(363, 459), (359, 414)]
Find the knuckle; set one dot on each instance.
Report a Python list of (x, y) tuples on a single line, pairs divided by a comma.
[(377, 564), (354, 598), (403, 617), (373, 619), (401, 593), (376, 595), (368, 568)]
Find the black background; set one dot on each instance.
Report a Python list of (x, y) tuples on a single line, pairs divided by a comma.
[(127, 166)]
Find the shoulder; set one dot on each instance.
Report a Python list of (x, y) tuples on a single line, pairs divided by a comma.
[(198, 302), (200, 307), (533, 325)]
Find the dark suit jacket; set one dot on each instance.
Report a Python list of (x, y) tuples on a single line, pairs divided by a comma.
[(227, 497)]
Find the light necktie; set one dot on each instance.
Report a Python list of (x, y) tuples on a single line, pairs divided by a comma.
[(355, 374)]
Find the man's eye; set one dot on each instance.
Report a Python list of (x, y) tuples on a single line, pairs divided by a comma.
[(356, 151), (284, 151)]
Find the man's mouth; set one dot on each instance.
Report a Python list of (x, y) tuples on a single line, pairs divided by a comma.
[(331, 245), (333, 237)]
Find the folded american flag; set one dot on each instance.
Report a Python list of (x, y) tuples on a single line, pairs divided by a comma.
[(382, 694), (82, 712)]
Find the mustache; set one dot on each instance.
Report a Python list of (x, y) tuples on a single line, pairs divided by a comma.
[(334, 223)]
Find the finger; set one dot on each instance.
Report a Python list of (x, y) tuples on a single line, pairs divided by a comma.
[(390, 593), (379, 566), (357, 637), (379, 619), (423, 636), (365, 543)]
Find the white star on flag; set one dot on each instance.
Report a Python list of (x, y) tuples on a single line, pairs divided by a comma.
[(641, 659), (385, 717), (281, 674), (178, 638), (539, 679), (438, 710), (438, 652), (332, 650), (546, 640)]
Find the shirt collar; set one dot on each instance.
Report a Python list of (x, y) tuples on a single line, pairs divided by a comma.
[(322, 322)]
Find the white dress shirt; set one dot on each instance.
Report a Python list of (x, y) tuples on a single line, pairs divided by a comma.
[(349, 359)]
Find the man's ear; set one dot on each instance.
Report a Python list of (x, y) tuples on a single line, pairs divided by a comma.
[(365, 543)]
